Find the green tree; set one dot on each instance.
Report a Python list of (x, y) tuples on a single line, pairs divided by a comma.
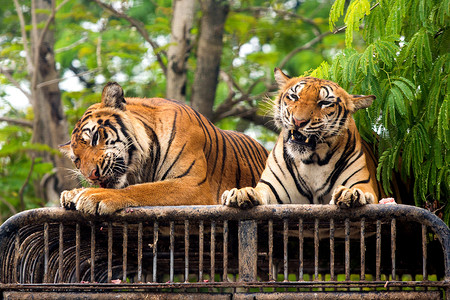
[(404, 61)]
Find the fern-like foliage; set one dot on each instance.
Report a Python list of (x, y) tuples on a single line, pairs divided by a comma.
[(405, 63)]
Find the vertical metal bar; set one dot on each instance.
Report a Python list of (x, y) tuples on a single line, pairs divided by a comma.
[(378, 251), (285, 248), (300, 243), (77, 251), (363, 249), (213, 249), (46, 253), (332, 231), (424, 252), (316, 249), (248, 247), (393, 245), (61, 252), (225, 251), (271, 270), (155, 249), (110, 245), (200, 250), (171, 248), (347, 249), (16, 256), (139, 252), (186, 250), (125, 252), (92, 252)]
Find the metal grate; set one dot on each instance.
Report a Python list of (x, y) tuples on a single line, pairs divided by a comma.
[(312, 251)]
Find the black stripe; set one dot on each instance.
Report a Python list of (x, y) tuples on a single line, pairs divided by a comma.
[(272, 189), (124, 130), (361, 181), (172, 137), (173, 163), (345, 181), (187, 171), (240, 147), (302, 187), (233, 147), (224, 157), (282, 184)]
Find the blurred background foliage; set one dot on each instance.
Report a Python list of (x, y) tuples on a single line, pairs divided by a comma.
[(394, 49)]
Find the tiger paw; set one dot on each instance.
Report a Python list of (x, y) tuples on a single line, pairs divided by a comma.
[(244, 198), (93, 200), (346, 198)]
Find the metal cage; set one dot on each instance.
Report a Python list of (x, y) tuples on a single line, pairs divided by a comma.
[(207, 252)]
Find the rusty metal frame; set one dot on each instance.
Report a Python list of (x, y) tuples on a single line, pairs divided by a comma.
[(50, 252)]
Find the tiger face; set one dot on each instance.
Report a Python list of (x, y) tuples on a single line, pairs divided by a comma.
[(312, 111), (102, 154)]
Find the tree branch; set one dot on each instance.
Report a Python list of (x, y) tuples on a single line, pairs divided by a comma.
[(71, 46), (259, 9), (62, 79), (9, 205), (140, 28), (23, 123), (306, 46), (15, 83), (24, 36)]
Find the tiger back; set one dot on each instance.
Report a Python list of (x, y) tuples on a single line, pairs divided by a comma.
[(147, 152), (318, 157)]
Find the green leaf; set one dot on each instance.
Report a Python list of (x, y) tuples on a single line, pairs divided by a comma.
[(354, 17), (337, 10), (398, 100)]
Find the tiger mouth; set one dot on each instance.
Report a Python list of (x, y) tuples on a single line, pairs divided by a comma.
[(296, 137)]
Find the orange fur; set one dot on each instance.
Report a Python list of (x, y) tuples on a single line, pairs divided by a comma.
[(147, 152)]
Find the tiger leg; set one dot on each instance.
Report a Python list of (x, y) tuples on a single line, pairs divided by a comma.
[(162, 193), (352, 197), (244, 198)]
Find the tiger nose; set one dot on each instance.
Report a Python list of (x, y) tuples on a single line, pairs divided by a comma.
[(299, 123), (94, 174)]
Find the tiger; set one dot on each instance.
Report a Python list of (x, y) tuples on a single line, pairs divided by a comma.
[(154, 152), (319, 156)]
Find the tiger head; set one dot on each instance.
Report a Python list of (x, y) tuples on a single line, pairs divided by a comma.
[(105, 143), (310, 111)]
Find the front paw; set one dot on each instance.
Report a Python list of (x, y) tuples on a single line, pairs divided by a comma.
[(66, 198), (346, 198), (93, 200), (244, 198)]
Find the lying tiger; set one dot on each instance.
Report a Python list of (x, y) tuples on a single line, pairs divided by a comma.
[(318, 157), (155, 151)]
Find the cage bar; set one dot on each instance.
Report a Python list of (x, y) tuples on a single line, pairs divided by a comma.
[(125, 252)]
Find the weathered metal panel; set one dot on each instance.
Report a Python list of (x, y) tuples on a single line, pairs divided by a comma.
[(269, 252)]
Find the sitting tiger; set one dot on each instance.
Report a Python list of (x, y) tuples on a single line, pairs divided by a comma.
[(319, 157), (147, 152)]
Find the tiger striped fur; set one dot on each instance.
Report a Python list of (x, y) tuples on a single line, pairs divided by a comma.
[(318, 157), (147, 152)]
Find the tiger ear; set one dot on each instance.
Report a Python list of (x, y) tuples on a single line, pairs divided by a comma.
[(361, 101), (280, 77), (65, 148), (112, 96)]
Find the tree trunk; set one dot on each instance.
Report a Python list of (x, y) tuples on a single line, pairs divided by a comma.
[(208, 55), (180, 46), (50, 124)]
